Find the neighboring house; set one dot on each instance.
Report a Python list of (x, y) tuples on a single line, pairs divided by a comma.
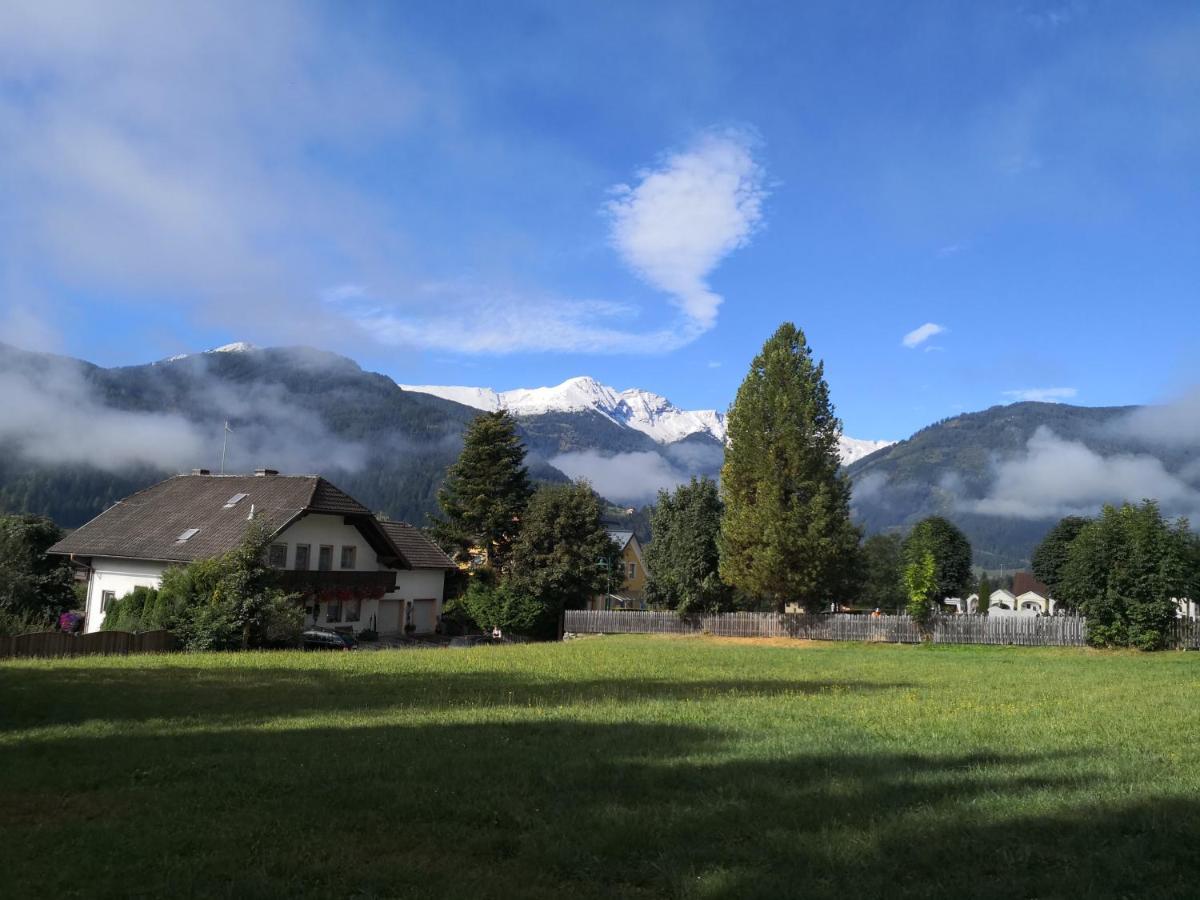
[(1029, 603), (353, 570), (960, 606), (628, 582)]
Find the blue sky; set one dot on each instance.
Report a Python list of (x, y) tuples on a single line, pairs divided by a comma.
[(510, 194)]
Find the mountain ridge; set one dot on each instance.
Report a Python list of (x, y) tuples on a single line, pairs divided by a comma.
[(643, 411)]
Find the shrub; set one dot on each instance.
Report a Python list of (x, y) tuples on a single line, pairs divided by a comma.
[(14, 622), (1122, 571), (139, 610), (510, 609), (368, 634)]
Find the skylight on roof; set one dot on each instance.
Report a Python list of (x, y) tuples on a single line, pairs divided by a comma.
[(234, 500), (187, 535)]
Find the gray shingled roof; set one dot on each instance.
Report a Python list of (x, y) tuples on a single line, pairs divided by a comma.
[(420, 551), (620, 538), (148, 524)]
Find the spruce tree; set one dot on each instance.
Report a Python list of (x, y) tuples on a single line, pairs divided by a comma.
[(485, 491), (786, 533)]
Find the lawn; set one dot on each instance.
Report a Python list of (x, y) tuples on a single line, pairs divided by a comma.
[(614, 766)]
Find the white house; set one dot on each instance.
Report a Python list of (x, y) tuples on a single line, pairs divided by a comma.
[(353, 570)]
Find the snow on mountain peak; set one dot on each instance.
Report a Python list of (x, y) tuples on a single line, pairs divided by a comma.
[(651, 414), (235, 347)]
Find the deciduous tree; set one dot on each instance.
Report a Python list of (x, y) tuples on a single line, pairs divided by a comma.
[(563, 554), (683, 557), (920, 582), (882, 563), (1123, 571), (33, 584), (951, 554), (1050, 557)]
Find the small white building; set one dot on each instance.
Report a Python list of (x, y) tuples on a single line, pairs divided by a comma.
[(354, 571)]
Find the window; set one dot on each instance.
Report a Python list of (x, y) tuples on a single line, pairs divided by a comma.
[(632, 570), (352, 610), (348, 554), (106, 600), (302, 557), (333, 610), (235, 500), (277, 556), (187, 535), (325, 558)]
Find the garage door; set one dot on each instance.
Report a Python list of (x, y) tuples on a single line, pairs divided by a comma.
[(424, 615)]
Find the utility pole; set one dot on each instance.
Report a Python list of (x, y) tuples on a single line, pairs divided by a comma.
[(225, 444)]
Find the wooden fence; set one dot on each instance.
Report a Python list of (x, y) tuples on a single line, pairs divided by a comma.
[(1025, 631), (1185, 635), (1033, 631), (99, 643)]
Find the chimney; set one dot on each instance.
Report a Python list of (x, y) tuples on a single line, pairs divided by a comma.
[(201, 471), (264, 472)]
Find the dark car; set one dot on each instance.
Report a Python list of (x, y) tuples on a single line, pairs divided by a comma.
[(320, 639)]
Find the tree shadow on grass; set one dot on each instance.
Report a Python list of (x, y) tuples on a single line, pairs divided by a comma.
[(552, 807), (42, 696)]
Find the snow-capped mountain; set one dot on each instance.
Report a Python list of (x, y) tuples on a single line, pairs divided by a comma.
[(235, 347), (651, 414)]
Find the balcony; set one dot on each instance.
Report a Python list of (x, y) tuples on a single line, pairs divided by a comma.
[(327, 584)]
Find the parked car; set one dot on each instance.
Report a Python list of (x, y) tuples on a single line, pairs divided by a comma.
[(322, 639), (478, 640)]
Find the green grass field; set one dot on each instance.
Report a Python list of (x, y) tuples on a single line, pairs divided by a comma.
[(631, 766)]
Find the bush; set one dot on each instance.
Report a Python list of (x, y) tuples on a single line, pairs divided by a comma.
[(14, 622), (139, 610), (1122, 571), (368, 634), (510, 609), (226, 603)]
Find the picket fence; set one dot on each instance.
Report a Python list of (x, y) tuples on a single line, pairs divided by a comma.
[(99, 643), (1031, 631)]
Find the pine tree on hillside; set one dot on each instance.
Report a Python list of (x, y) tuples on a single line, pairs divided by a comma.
[(786, 534), (486, 490)]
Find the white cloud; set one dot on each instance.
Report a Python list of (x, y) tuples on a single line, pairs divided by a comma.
[(624, 477), (1056, 477), (673, 228), (55, 415), (1043, 395), (687, 214), (1174, 424), (918, 336), (165, 155), (195, 157)]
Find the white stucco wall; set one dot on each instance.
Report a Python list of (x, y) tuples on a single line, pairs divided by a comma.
[(331, 531), (119, 576)]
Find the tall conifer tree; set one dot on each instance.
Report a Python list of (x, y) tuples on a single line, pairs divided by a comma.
[(486, 490), (786, 533)]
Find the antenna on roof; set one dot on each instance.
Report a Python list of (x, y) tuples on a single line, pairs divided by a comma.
[(224, 444)]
